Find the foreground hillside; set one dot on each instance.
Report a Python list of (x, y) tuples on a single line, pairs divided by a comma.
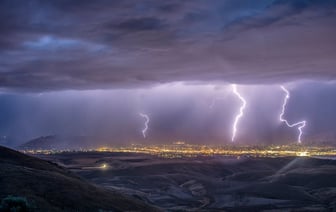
[(213, 184), (49, 187)]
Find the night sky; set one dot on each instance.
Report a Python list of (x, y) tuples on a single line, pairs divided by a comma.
[(82, 67)]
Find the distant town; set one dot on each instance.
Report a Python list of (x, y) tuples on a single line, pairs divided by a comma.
[(181, 149)]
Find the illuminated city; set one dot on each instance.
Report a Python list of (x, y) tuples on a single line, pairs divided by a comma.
[(181, 149)]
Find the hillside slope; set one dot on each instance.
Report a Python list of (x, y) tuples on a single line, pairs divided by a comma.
[(49, 187)]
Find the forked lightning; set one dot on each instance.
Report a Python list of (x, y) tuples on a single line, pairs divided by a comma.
[(146, 117), (241, 111), (300, 124)]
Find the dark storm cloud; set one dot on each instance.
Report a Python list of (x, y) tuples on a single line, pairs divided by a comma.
[(107, 44), (141, 24)]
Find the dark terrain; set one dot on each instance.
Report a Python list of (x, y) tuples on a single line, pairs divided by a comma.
[(212, 184), (49, 187), (134, 182)]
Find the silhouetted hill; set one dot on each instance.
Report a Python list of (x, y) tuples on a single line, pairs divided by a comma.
[(57, 142), (49, 187)]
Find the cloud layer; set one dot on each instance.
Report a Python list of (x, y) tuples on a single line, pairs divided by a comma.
[(57, 45)]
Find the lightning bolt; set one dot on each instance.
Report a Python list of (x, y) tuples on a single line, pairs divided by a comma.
[(146, 117), (241, 111), (300, 124)]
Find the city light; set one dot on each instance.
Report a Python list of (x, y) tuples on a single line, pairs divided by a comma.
[(180, 149)]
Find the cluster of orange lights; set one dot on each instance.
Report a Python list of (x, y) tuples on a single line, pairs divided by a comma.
[(181, 149)]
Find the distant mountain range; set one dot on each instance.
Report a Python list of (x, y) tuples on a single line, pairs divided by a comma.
[(59, 142)]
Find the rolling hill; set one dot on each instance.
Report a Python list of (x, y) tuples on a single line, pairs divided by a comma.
[(49, 187)]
